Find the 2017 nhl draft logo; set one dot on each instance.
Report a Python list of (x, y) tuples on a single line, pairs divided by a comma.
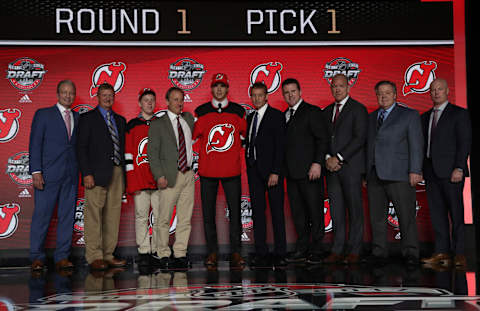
[(246, 214), (342, 65), (418, 77), (220, 137), (8, 219), (392, 218), (82, 108), (78, 225), (25, 74), (111, 73), (9, 124), (186, 73), (17, 169), (268, 74)]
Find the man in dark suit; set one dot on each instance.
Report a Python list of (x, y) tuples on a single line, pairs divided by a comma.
[(264, 152), (53, 165), (101, 158), (305, 150), (448, 137), (394, 167), (170, 154), (347, 131)]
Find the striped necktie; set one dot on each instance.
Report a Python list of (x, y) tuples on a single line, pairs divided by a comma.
[(115, 140), (380, 119), (182, 149)]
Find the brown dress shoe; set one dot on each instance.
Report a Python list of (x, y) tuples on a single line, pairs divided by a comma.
[(211, 260), (438, 259), (99, 264), (237, 261), (460, 261), (63, 264), (333, 258), (116, 262), (351, 259), (37, 265)]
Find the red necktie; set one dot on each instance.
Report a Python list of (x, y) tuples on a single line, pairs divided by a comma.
[(337, 112), (182, 150)]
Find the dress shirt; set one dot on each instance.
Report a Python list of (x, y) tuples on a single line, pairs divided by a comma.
[(260, 112), (186, 132), (439, 114), (223, 102), (342, 104), (104, 115), (387, 112)]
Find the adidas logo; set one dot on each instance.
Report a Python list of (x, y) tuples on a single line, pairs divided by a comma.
[(24, 194), (187, 98), (25, 99)]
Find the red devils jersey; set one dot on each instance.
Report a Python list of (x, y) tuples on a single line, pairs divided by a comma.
[(139, 176), (218, 133)]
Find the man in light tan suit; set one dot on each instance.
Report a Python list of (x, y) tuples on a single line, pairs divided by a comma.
[(170, 155)]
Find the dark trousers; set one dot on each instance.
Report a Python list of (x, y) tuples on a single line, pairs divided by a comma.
[(232, 188), (63, 194), (345, 195), (445, 198), (306, 204), (258, 190), (403, 197)]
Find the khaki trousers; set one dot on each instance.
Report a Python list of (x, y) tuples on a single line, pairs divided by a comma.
[(143, 200), (102, 218), (181, 195)]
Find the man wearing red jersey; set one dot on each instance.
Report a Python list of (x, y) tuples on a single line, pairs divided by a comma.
[(218, 128), (140, 182)]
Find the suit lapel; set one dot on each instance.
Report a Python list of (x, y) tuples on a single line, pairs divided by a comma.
[(445, 114), (167, 124), (391, 116), (60, 121)]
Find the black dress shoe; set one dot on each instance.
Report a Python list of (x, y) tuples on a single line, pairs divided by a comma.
[(296, 257), (279, 262), (180, 263), (143, 260), (161, 263), (314, 259), (412, 261), (375, 260)]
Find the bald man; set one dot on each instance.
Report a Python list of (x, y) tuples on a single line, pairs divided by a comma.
[(448, 136)]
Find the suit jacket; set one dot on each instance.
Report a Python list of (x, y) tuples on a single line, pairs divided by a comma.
[(348, 135), (397, 148), (51, 152), (95, 146), (306, 141), (162, 147), (269, 142), (452, 140)]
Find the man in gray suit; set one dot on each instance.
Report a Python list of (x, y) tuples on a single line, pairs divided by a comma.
[(394, 167), (170, 155)]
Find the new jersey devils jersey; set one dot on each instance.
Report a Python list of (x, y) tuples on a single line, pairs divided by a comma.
[(139, 176), (219, 141)]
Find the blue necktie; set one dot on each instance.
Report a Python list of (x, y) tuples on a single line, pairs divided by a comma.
[(380, 119)]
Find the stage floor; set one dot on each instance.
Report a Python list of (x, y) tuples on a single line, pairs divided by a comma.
[(331, 287)]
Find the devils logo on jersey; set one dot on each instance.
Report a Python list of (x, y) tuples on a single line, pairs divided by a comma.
[(9, 124), (220, 138), (142, 156)]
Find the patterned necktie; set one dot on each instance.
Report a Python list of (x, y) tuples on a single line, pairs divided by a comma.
[(253, 136), (291, 111), (380, 119), (182, 149), (68, 123), (337, 112), (115, 140)]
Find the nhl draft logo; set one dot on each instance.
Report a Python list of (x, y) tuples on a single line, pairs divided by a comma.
[(341, 65), (17, 169), (392, 218), (268, 74), (221, 138), (142, 156), (418, 77), (186, 73), (327, 216), (112, 73), (9, 124), (8, 219), (25, 74), (82, 108), (246, 214), (78, 225)]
